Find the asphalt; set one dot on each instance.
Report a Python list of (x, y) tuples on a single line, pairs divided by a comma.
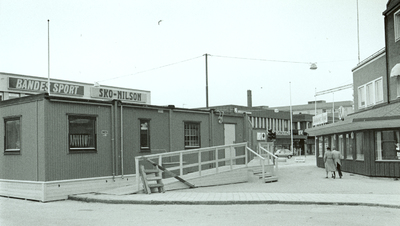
[(298, 183)]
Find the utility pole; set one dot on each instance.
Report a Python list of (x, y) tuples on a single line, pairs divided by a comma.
[(206, 80), (48, 57)]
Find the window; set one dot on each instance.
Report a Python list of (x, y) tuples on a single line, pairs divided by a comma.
[(397, 25), (341, 145), (398, 86), (370, 94), (378, 91), (326, 144), (349, 146), (333, 142), (359, 146), (320, 146), (192, 135), (82, 133), (12, 135), (144, 135), (361, 96), (387, 145)]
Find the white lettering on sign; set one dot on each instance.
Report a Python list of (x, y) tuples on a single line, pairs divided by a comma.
[(42, 86), (65, 88), (26, 84)]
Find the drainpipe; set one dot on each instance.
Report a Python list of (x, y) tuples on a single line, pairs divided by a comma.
[(210, 135), (112, 142), (115, 135), (211, 118), (387, 66), (122, 143), (170, 129)]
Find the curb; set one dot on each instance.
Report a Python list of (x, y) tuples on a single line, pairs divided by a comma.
[(228, 202)]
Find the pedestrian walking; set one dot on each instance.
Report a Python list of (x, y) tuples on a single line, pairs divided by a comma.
[(336, 158), (329, 163)]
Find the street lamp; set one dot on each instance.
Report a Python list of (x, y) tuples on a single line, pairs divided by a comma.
[(291, 120), (313, 66)]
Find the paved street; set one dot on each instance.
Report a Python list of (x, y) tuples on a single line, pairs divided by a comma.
[(66, 213), (298, 183)]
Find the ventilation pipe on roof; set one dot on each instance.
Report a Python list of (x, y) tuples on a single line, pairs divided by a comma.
[(249, 99)]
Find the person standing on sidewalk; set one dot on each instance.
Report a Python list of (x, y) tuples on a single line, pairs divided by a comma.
[(336, 158), (329, 163)]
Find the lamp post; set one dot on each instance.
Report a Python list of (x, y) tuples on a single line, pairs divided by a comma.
[(291, 119)]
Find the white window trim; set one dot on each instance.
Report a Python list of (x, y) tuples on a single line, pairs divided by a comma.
[(364, 93), (396, 25), (398, 86)]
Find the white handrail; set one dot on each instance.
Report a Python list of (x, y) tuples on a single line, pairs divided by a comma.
[(231, 159), (272, 155), (262, 160)]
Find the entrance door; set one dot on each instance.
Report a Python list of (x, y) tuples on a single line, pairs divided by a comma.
[(229, 138)]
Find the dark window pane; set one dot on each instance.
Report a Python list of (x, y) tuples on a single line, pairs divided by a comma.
[(82, 134)]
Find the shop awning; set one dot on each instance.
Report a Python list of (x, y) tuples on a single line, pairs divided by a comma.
[(395, 71), (387, 116)]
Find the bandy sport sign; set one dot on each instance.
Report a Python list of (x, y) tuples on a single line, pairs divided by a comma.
[(35, 85)]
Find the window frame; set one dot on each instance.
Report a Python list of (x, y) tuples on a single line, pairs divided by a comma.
[(370, 93), (148, 137), (320, 146), (381, 140), (349, 146), (398, 86), (360, 155), (91, 149), (198, 135), (396, 25), (12, 151)]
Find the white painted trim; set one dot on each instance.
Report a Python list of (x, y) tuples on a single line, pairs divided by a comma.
[(59, 190)]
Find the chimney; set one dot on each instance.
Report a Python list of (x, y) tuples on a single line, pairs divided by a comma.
[(249, 99)]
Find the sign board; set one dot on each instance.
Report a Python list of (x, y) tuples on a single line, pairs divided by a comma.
[(119, 94), (38, 85), (261, 136), (320, 119)]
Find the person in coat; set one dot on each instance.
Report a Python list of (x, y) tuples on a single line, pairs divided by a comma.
[(329, 163), (336, 158)]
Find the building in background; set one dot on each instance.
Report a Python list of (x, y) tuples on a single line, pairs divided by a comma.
[(261, 119), (369, 138), (322, 109)]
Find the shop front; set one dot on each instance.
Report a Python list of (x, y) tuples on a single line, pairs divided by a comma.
[(368, 142)]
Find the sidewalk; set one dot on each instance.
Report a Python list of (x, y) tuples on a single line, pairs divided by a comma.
[(298, 183)]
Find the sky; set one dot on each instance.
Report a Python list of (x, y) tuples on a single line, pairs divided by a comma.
[(265, 46)]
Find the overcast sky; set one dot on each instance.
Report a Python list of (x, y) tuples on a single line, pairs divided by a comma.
[(265, 46)]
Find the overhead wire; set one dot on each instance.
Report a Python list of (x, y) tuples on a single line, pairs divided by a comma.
[(152, 69), (221, 56), (259, 59)]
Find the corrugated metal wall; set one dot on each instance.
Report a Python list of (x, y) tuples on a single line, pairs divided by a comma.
[(166, 134), (23, 166), (60, 163)]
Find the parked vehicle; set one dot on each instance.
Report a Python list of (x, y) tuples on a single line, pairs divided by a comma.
[(284, 153)]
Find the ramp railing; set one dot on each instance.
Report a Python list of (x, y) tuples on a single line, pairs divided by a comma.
[(271, 158), (218, 158)]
